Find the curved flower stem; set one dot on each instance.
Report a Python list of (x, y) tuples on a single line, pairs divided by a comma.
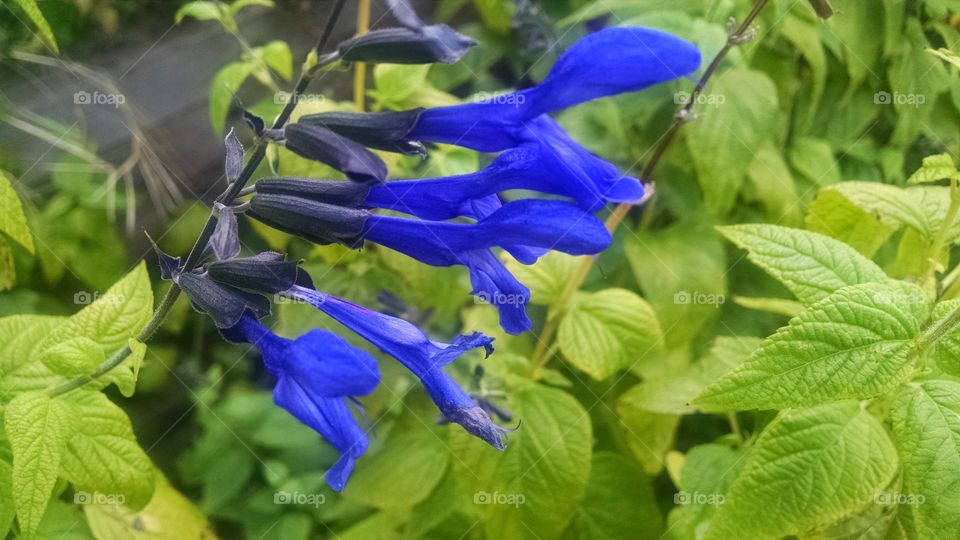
[(233, 190), (681, 117)]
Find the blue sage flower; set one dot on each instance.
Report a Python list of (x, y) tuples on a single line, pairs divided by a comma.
[(316, 374), (609, 62), (418, 353)]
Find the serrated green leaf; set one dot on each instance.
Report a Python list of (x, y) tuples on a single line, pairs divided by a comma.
[(169, 515), (101, 454), (547, 463), (937, 167), (808, 468), (226, 83), (649, 434), (946, 351), (811, 265), (36, 17), (926, 428), (619, 503), (548, 277), (13, 222), (608, 331), (113, 318), (74, 356), (38, 428), (20, 348), (923, 208), (722, 141), (856, 343)]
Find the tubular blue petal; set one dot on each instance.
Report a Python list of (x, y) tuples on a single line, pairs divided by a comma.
[(315, 373), (423, 357), (554, 225), (605, 63)]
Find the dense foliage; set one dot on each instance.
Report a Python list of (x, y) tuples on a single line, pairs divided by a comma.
[(766, 345)]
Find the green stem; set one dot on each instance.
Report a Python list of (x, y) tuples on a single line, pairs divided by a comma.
[(193, 258)]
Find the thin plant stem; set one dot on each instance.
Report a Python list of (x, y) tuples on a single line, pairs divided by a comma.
[(360, 68), (193, 258), (682, 116)]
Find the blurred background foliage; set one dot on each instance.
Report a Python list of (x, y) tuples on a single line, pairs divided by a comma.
[(598, 454)]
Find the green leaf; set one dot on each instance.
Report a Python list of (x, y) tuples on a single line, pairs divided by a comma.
[(7, 508), (169, 515), (397, 82), (102, 455), (723, 139), (834, 215), (922, 208), (112, 319), (777, 306), (532, 488), (926, 428), (238, 5), (20, 367), (808, 468), (548, 277), (707, 473), (200, 10), (496, 14), (277, 55), (412, 461), (946, 351), (649, 435), (811, 265), (619, 503), (856, 343), (608, 331), (38, 428), (8, 268), (813, 158), (33, 12), (937, 167), (859, 31), (13, 222), (773, 186), (226, 83)]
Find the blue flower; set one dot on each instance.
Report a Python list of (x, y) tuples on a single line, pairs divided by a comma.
[(316, 373), (418, 353), (609, 62)]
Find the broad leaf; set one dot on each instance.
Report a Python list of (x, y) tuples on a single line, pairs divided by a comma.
[(808, 468), (532, 489), (811, 265), (13, 223), (707, 473), (608, 331), (856, 343), (548, 277), (926, 429), (936, 167), (38, 428), (20, 345), (619, 503)]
